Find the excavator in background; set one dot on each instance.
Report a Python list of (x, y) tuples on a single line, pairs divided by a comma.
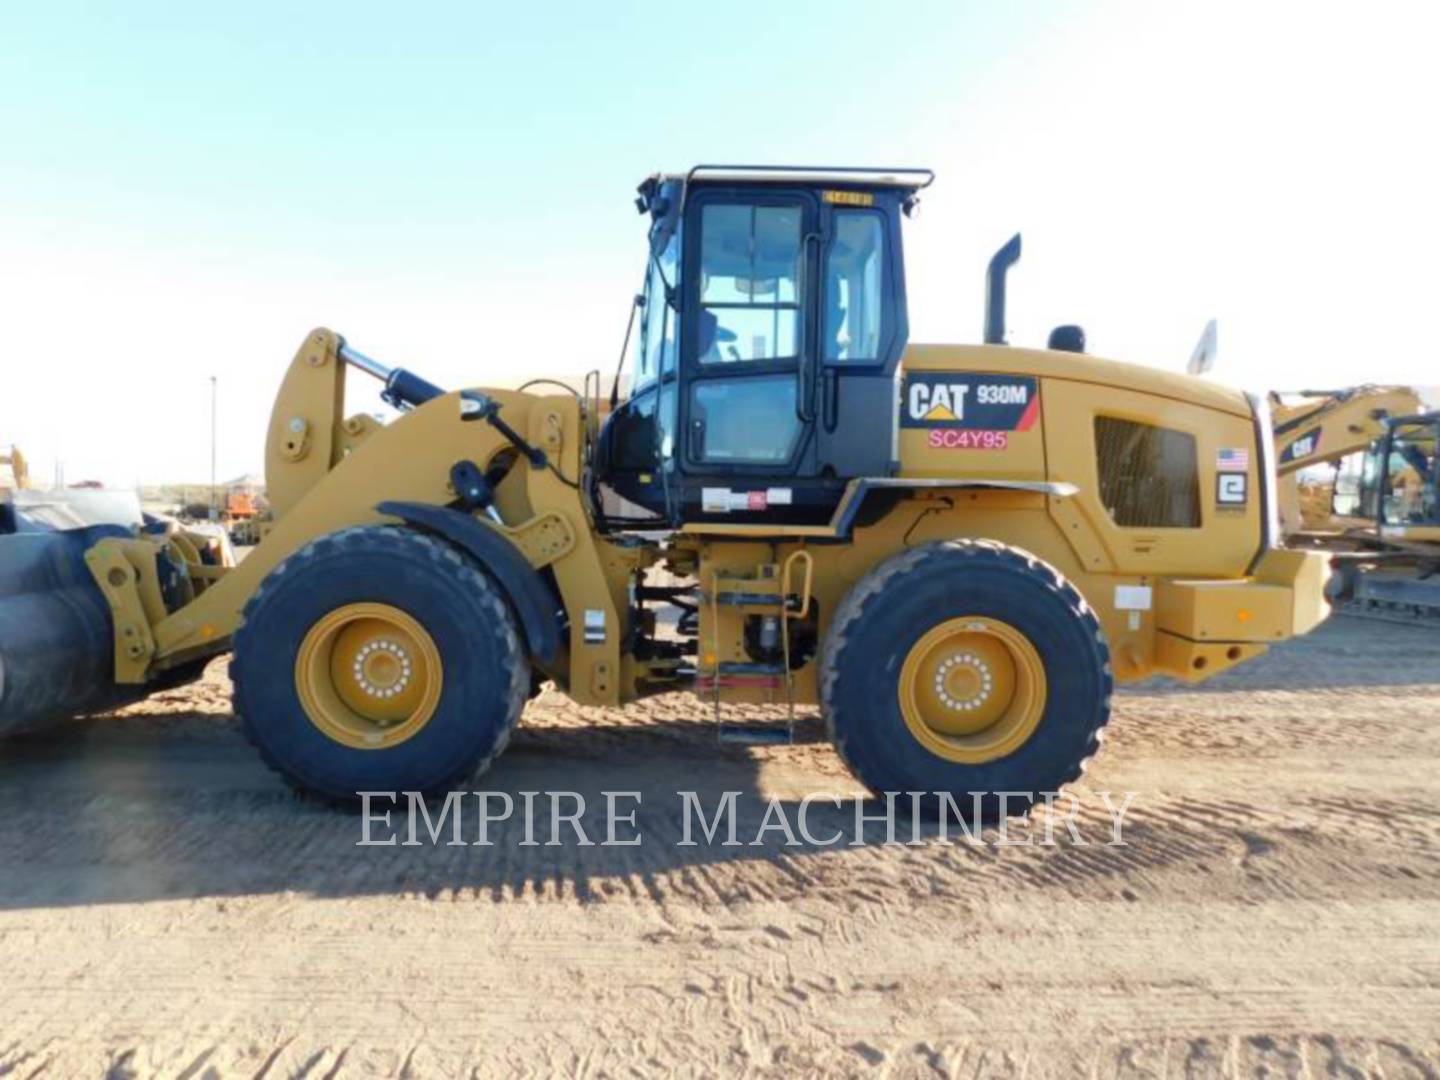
[(1322, 427), (1386, 554), (1380, 525), (955, 551)]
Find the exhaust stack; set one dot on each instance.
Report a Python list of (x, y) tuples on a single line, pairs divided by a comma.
[(1000, 265)]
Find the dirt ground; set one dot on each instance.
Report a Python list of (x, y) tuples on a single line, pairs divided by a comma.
[(168, 908)]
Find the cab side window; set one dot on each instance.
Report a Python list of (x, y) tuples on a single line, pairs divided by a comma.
[(855, 288), (1413, 478), (749, 283)]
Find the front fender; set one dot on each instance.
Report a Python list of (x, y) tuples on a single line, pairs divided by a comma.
[(533, 600)]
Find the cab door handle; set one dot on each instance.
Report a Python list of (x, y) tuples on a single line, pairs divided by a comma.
[(830, 400)]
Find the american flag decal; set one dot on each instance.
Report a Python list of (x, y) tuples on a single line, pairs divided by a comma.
[(1232, 460)]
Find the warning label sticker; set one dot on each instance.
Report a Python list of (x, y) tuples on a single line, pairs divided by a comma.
[(725, 500)]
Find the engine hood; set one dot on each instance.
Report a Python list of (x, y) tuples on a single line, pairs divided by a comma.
[(1078, 368)]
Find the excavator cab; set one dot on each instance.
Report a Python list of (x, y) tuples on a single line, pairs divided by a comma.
[(1400, 480), (770, 329)]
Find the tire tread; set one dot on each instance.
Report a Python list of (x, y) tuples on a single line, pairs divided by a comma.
[(1004, 557), (408, 544)]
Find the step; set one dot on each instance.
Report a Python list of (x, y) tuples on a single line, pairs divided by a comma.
[(743, 667), (739, 673), (756, 734), (748, 599), (706, 683)]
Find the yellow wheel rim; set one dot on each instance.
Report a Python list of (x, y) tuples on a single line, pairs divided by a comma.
[(368, 676), (972, 689)]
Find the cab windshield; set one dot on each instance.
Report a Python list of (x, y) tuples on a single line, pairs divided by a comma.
[(656, 348), (658, 343)]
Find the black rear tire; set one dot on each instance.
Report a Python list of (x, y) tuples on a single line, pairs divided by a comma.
[(902, 599), (485, 670)]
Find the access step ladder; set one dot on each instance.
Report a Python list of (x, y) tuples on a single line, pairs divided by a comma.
[(773, 595)]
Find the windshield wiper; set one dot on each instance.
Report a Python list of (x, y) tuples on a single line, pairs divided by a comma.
[(669, 289)]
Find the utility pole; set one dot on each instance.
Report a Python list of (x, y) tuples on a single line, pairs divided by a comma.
[(214, 510)]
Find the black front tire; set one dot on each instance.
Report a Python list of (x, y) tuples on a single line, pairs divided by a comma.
[(485, 670)]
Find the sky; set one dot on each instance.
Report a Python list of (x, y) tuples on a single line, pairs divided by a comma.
[(186, 189)]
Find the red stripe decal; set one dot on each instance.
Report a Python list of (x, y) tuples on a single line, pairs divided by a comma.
[(1027, 418)]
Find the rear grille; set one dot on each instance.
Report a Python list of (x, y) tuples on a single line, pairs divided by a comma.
[(1148, 475)]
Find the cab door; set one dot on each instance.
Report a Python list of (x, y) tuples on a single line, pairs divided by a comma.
[(1407, 494), (748, 344)]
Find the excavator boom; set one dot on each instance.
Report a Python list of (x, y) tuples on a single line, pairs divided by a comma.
[(1326, 425)]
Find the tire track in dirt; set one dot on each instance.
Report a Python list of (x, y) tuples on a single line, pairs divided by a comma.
[(1294, 720), (265, 840), (180, 912)]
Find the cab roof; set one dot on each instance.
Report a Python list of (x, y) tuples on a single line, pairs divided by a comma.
[(906, 179)]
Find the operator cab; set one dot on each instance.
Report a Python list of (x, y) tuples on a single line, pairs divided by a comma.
[(770, 330), (1400, 480)]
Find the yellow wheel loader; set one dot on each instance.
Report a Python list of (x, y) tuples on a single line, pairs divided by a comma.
[(953, 550)]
